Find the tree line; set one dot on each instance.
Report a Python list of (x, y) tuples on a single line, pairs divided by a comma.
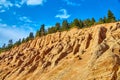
[(78, 23)]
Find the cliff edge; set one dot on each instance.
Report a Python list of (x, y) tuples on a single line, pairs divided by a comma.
[(79, 54)]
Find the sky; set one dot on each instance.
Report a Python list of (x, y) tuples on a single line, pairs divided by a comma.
[(20, 17)]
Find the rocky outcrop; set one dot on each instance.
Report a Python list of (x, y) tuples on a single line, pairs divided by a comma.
[(86, 54)]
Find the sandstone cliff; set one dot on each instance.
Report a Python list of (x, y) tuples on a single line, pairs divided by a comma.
[(86, 54)]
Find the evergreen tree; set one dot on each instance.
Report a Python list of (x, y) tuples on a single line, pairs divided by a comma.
[(87, 22), (17, 43), (57, 26), (37, 33), (81, 24), (101, 21), (105, 20), (92, 21), (27, 39), (111, 17), (23, 40), (51, 30), (42, 30), (4, 46), (31, 36), (76, 23), (65, 25), (10, 44)]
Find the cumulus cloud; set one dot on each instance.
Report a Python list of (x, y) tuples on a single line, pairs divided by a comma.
[(4, 5), (1, 11), (18, 5), (63, 15), (71, 3), (35, 2), (13, 32), (25, 19), (32, 2), (29, 3)]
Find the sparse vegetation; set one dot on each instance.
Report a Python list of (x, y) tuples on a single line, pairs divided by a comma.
[(65, 26)]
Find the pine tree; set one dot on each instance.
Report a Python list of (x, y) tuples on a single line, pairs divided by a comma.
[(76, 23), (23, 40), (42, 30), (51, 30), (101, 21), (111, 17), (37, 33), (65, 25), (81, 23), (92, 21), (87, 22), (17, 43), (10, 44), (57, 26), (31, 36), (105, 20), (4, 46)]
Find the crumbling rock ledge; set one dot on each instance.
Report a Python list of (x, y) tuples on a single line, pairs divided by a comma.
[(86, 54)]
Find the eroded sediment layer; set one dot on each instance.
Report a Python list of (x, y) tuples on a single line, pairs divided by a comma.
[(86, 54)]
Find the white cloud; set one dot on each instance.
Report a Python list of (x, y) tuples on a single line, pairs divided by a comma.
[(35, 2), (64, 14), (18, 5), (1, 11), (13, 32), (5, 3), (71, 3), (25, 19), (32, 2), (23, 1)]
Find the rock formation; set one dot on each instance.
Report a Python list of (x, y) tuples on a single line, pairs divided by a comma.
[(79, 54)]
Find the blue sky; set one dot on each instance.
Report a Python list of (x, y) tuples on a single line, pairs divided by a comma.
[(20, 17)]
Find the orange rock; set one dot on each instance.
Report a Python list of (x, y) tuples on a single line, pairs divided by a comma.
[(79, 54)]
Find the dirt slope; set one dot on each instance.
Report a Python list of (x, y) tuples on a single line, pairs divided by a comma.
[(85, 54)]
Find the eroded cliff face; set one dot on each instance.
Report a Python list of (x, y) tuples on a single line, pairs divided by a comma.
[(85, 54)]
